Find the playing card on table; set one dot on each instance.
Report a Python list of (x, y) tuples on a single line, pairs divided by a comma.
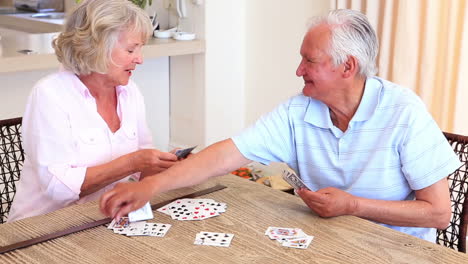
[(150, 229), (129, 228), (293, 180), (144, 213), (183, 153), (281, 233), (213, 239), (289, 237), (122, 223), (193, 209), (303, 242)]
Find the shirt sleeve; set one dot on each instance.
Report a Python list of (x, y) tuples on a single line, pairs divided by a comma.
[(48, 145), (426, 155), (270, 139)]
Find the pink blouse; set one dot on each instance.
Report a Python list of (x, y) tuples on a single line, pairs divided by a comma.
[(63, 134)]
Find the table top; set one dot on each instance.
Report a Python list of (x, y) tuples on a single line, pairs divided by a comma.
[(252, 208)]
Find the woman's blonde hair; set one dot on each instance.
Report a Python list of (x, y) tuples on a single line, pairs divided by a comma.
[(92, 30)]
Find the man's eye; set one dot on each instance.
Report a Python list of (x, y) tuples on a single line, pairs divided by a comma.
[(130, 51)]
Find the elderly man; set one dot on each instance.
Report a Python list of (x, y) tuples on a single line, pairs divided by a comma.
[(362, 145)]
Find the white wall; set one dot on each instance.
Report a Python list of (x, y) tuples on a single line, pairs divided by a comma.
[(273, 39), (252, 51)]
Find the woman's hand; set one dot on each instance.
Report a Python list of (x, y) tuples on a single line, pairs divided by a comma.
[(152, 161), (125, 198)]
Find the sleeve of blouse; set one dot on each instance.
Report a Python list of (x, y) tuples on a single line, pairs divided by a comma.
[(48, 144)]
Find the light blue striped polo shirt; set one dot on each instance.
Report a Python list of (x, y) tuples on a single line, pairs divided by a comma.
[(391, 147)]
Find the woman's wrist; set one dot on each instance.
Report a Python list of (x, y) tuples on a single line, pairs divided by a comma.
[(132, 162)]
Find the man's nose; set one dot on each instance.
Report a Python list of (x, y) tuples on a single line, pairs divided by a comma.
[(300, 70)]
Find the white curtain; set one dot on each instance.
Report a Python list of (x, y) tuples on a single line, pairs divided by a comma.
[(423, 46)]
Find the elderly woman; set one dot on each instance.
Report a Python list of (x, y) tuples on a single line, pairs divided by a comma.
[(84, 128)]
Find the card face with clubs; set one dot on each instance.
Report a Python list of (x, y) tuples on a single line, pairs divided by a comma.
[(183, 153), (213, 239), (144, 213), (293, 180), (149, 229)]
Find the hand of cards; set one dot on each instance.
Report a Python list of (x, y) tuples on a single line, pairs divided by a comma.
[(289, 237), (183, 153), (293, 180), (193, 209)]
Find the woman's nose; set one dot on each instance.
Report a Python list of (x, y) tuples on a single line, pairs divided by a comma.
[(138, 58)]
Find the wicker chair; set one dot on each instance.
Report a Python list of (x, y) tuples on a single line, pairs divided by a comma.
[(454, 236), (11, 162)]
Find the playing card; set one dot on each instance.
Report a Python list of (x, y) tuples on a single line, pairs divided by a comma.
[(183, 153), (293, 180), (213, 239), (159, 230), (122, 223), (149, 229), (129, 227), (144, 213), (298, 242), (193, 209), (281, 233)]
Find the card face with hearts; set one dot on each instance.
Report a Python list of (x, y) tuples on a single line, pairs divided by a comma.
[(289, 237), (302, 243), (213, 239), (193, 209), (122, 223), (283, 232)]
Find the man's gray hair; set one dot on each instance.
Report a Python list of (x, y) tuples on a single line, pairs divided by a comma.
[(351, 34)]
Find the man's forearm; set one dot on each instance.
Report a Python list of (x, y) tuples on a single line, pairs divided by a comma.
[(400, 213), (218, 159)]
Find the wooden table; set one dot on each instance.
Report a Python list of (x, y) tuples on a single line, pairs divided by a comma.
[(251, 209)]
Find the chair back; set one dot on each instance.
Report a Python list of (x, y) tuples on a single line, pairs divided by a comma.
[(454, 236), (11, 163)]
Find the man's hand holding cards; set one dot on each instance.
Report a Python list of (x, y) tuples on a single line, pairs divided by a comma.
[(293, 180)]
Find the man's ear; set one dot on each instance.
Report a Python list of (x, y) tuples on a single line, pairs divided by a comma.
[(350, 67)]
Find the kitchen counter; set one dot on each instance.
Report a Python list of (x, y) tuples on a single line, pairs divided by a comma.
[(25, 44), (13, 61)]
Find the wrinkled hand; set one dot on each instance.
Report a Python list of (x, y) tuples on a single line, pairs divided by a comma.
[(125, 198), (152, 161), (329, 202)]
